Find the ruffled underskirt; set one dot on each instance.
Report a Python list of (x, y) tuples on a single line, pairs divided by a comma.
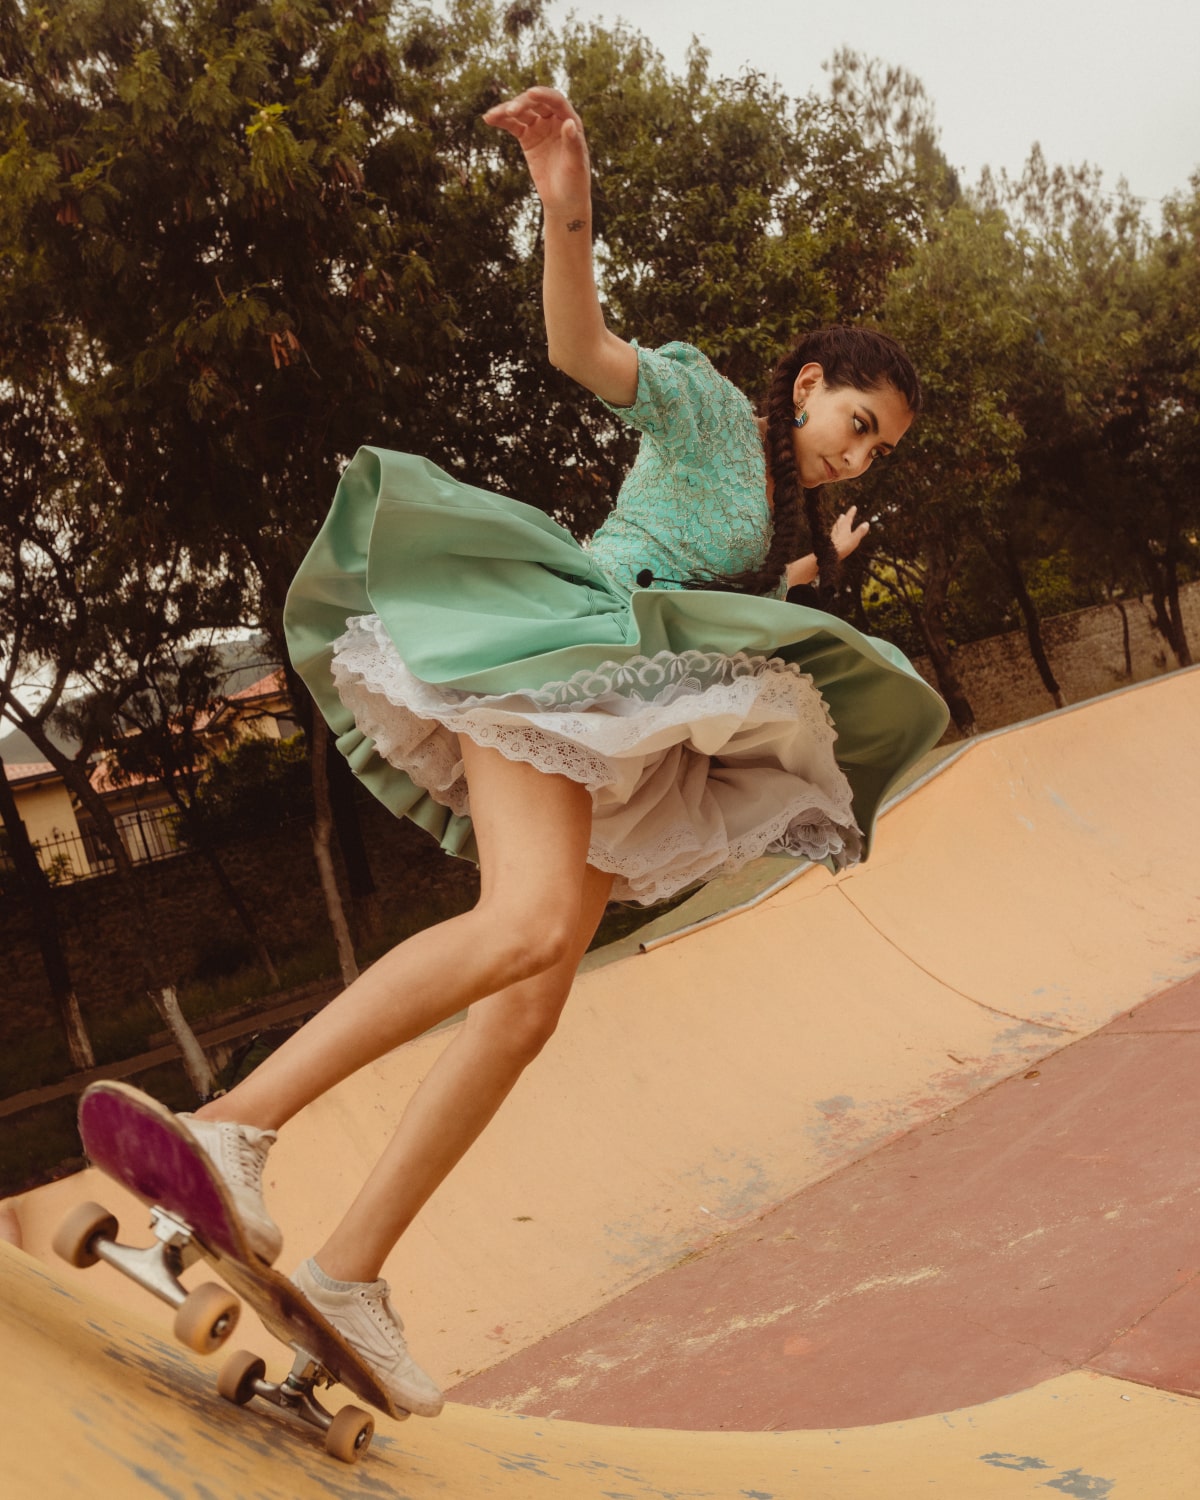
[(696, 761)]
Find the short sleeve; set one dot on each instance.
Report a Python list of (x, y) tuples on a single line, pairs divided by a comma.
[(677, 387)]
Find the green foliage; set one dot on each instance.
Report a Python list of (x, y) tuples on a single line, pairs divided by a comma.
[(240, 239), (254, 788)]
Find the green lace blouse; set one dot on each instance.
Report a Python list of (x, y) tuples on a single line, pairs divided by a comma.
[(695, 501)]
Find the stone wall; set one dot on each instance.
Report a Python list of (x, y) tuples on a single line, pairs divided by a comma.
[(1087, 655)]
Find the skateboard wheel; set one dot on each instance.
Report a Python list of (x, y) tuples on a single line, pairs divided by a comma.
[(207, 1318), (74, 1236), (350, 1434), (238, 1376)]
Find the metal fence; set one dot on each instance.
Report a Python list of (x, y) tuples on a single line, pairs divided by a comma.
[(68, 857)]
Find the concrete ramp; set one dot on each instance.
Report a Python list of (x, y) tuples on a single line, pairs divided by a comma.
[(1041, 885), (98, 1402)]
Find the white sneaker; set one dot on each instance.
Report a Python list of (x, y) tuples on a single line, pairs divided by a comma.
[(239, 1153), (366, 1319)]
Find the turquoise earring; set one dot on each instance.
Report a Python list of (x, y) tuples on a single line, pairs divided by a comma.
[(800, 418)]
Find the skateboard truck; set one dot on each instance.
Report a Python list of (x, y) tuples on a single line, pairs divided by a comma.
[(243, 1376), (204, 1318)]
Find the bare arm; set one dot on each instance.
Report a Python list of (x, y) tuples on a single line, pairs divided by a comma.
[(551, 135), (845, 536), (803, 570)]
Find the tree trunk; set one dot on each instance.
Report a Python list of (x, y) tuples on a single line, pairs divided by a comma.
[(926, 608), (1178, 635), (1033, 624), (195, 1063), (44, 911), (77, 780), (346, 822), (949, 684), (1168, 622), (1126, 641), (1162, 573), (321, 836)]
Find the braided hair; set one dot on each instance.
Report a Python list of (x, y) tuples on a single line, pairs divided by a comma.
[(857, 357)]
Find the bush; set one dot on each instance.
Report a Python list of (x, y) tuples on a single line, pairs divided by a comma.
[(254, 788)]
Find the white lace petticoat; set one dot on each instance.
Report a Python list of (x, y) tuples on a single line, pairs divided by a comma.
[(696, 762)]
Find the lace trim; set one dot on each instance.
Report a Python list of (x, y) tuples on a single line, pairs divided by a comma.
[(611, 728), (801, 831)]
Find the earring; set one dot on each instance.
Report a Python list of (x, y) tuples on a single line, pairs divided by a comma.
[(800, 418)]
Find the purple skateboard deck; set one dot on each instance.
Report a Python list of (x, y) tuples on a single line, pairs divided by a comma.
[(140, 1144)]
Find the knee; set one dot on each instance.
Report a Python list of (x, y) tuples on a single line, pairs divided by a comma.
[(530, 944), (520, 1022)]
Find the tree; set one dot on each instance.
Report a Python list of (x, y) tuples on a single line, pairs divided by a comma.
[(158, 736), (1113, 427), (1157, 437), (36, 889), (954, 311)]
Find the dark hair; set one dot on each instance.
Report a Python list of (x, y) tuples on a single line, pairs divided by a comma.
[(857, 357)]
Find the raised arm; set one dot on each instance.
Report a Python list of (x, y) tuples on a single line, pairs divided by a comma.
[(579, 343)]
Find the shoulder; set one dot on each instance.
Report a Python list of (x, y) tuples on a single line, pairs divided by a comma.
[(678, 385), (682, 363)]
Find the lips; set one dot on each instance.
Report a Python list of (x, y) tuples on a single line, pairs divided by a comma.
[(830, 472)]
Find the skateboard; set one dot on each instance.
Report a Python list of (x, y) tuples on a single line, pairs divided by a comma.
[(140, 1144)]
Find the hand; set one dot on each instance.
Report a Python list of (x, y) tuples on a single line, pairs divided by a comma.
[(845, 535), (551, 135)]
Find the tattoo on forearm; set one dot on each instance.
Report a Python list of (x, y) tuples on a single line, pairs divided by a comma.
[(574, 225)]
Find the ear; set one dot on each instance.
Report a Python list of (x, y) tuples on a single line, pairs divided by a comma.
[(810, 376)]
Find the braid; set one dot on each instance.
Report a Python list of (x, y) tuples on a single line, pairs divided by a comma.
[(857, 357), (785, 532)]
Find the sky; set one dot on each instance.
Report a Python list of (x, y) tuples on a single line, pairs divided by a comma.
[(1117, 85)]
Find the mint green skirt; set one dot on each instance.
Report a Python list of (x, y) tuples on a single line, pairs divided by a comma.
[(709, 727)]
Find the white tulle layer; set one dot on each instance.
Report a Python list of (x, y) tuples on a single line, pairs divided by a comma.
[(696, 762)]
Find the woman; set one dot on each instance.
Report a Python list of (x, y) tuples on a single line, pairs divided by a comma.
[(626, 719)]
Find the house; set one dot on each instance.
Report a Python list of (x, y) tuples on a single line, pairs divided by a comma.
[(63, 834), (46, 809)]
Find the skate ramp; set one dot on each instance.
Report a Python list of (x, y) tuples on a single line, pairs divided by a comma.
[(98, 1401), (1038, 887)]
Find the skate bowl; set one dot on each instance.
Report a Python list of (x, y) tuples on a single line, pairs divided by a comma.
[(875, 1184)]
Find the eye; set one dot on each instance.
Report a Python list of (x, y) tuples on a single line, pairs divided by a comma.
[(859, 426)]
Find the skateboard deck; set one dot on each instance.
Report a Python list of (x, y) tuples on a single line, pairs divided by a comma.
[(140, 1144)]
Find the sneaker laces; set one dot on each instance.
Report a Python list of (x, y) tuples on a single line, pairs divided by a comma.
[(245, 1155), (378, 1300)]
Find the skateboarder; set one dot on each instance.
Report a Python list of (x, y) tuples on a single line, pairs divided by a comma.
[(486, 675)]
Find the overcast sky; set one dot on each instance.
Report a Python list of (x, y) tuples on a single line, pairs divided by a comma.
[(1115, 85)]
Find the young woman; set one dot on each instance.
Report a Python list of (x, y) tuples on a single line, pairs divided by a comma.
[(625, 719)]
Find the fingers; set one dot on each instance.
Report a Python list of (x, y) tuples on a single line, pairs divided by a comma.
[(845, 522), (845, 535), (531, 108)]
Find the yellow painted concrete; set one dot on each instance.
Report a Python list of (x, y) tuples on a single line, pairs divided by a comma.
[(1052, 871), (1038, 886), (97, 1401)]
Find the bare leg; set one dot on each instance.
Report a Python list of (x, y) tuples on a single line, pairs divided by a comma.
[(464, 1089), (533, 831)]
